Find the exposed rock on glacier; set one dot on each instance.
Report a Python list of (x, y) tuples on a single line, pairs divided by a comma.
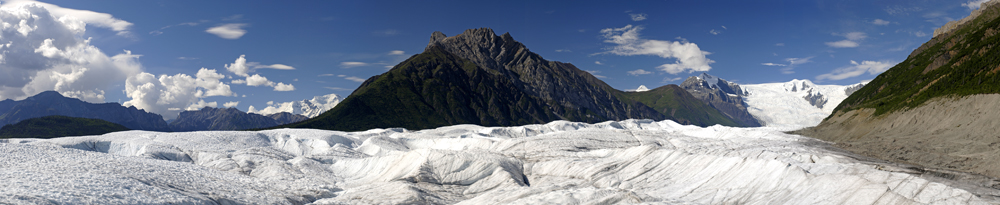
[(632, 161)]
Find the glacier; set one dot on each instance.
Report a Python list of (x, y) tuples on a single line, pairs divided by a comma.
[(614, 162), (788, 105)]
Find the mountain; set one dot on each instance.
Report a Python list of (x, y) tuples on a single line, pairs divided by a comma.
[(722, 95), (209, 118), (642, 88), (52, 103), (282, 118), (309, 108), (679, 105), (480, 78), (938, 108), (58, 126)]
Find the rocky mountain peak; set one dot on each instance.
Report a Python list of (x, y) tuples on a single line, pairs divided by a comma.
[(483, 47)]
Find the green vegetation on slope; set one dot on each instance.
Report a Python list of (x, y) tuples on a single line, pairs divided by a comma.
[(677, 104), (958, 63), (58, 126)]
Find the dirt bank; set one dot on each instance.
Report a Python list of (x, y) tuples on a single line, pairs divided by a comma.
[(961, 134)]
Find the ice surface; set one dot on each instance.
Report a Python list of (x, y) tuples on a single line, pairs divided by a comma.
[(632, 161)]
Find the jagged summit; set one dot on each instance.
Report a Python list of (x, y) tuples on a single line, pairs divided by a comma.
[(797, 85)]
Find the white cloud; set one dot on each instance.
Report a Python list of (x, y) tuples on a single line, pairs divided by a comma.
[(688, 56), (563, 50), (639, 72), (851, 41), (352, 64), (773, 64), (200, 104), (974, 4), (857, 69), (638, 17), (842, 44), (793, 62), (228, 31), (167, 95), (272, 66), (239, 67), (715, 32), (598, 63), (64, 14), (257, 80), (43, 51), (880, 22), (283, 87), (238, 81), (323, 75), (396, 52), (243, 68), (355, 79), (669, 79), (337, 88), (231, 104)]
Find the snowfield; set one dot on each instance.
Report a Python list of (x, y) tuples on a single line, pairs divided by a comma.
[(632, 161), (783, 105)]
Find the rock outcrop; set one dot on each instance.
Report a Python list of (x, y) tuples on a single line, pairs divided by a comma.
[(722, 95)]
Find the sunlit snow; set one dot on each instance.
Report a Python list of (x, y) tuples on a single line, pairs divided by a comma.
[(632, 161), (783, 105)]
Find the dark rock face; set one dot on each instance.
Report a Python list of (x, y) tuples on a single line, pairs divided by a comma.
[(815, 99), (220, 119), (479, 78), (58, 126), (282, 118), (722, 95), (52, 103)]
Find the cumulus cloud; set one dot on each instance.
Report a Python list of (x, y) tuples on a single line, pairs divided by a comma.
[(638, 17), (257, 80), (974, 4), (283, 87), (880, 22), (43, 51), (230, 31), (168, 94), (201, 104), (231, 104), (639, 72), (86, 17), (850, 42), (352, 64), (857, 69), (688, 56)]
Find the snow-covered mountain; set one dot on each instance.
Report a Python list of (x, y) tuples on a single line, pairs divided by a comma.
[(727, 97), (632, 161), (309, 108), (794, 104)]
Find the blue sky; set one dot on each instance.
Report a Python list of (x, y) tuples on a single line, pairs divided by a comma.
[(311, 48)]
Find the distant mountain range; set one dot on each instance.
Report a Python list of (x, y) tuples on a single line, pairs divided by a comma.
[(52, 103), (209, 118), (478, 77)]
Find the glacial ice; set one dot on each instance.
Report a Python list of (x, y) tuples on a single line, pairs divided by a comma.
[(631, 161)]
